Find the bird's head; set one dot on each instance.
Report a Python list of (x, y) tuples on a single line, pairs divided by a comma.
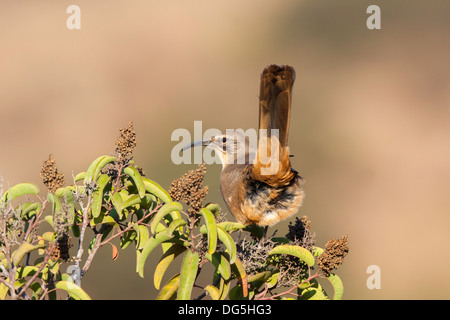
[(231, 148)]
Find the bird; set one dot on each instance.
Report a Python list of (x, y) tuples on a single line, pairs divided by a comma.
[(257, 182)]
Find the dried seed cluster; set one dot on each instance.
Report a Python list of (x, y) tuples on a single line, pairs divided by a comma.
[(126, 142), (254, 254), (62, 249), (300, 233), (334, 254), (189, 189), (50, 175)]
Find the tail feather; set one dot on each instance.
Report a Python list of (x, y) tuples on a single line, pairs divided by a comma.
[(274, 113)]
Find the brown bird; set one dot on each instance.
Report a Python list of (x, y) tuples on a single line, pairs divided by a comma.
[(258, 185)]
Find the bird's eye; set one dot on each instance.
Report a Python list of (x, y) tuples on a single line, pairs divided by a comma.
[(224, 139)]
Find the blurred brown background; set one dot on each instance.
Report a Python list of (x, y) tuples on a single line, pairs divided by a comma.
[(370, 126)]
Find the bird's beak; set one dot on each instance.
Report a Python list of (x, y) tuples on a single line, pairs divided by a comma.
[(196, 144)]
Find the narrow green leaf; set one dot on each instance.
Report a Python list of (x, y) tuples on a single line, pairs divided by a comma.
[(174, 251), (80, 176), (188, 274), (67, 195), (24, 249), (338, 286), (224, 288), (90, 173), (295, 251), (165, 209), (151, 244), (226, 239), (27, 271), (131, 201), (117, 202), (230, 227), (134, 174), (30, 209), (238, 269), (19, 190), (74, 291), (128, 238), (56, 203), (211, 228), (213, 292), (168, 292), (49, 219), (142, 235), (273, 279), (261, 276), (106, 160), (97, 198), (174, 225), (155, 189), (220, 261), (214, 208), (3, 291)]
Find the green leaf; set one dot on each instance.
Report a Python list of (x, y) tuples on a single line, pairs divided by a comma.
[(30, 209), (95, 168), (27, 271), (220, 261), (90, 173), (117, 202), (49, 219), (74, 291), (238, 269), (97, 198), (213, 292), (174, 225), (214, 208), (168, 292), (131, 201), (134, 174), (24, 249), (56, 203), (174, 251), (49, 236), (230, 227), (338, 286), (259, 277), (295, 251), (80, 176), (273, 279), (3, 291), (67, 195), (188, 274), (165, 209), (155, 189), (142, 235), (19, 190), (211, 228), (148, 248), (128, 238), (313, 292), (226, 239), (224, 288)]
